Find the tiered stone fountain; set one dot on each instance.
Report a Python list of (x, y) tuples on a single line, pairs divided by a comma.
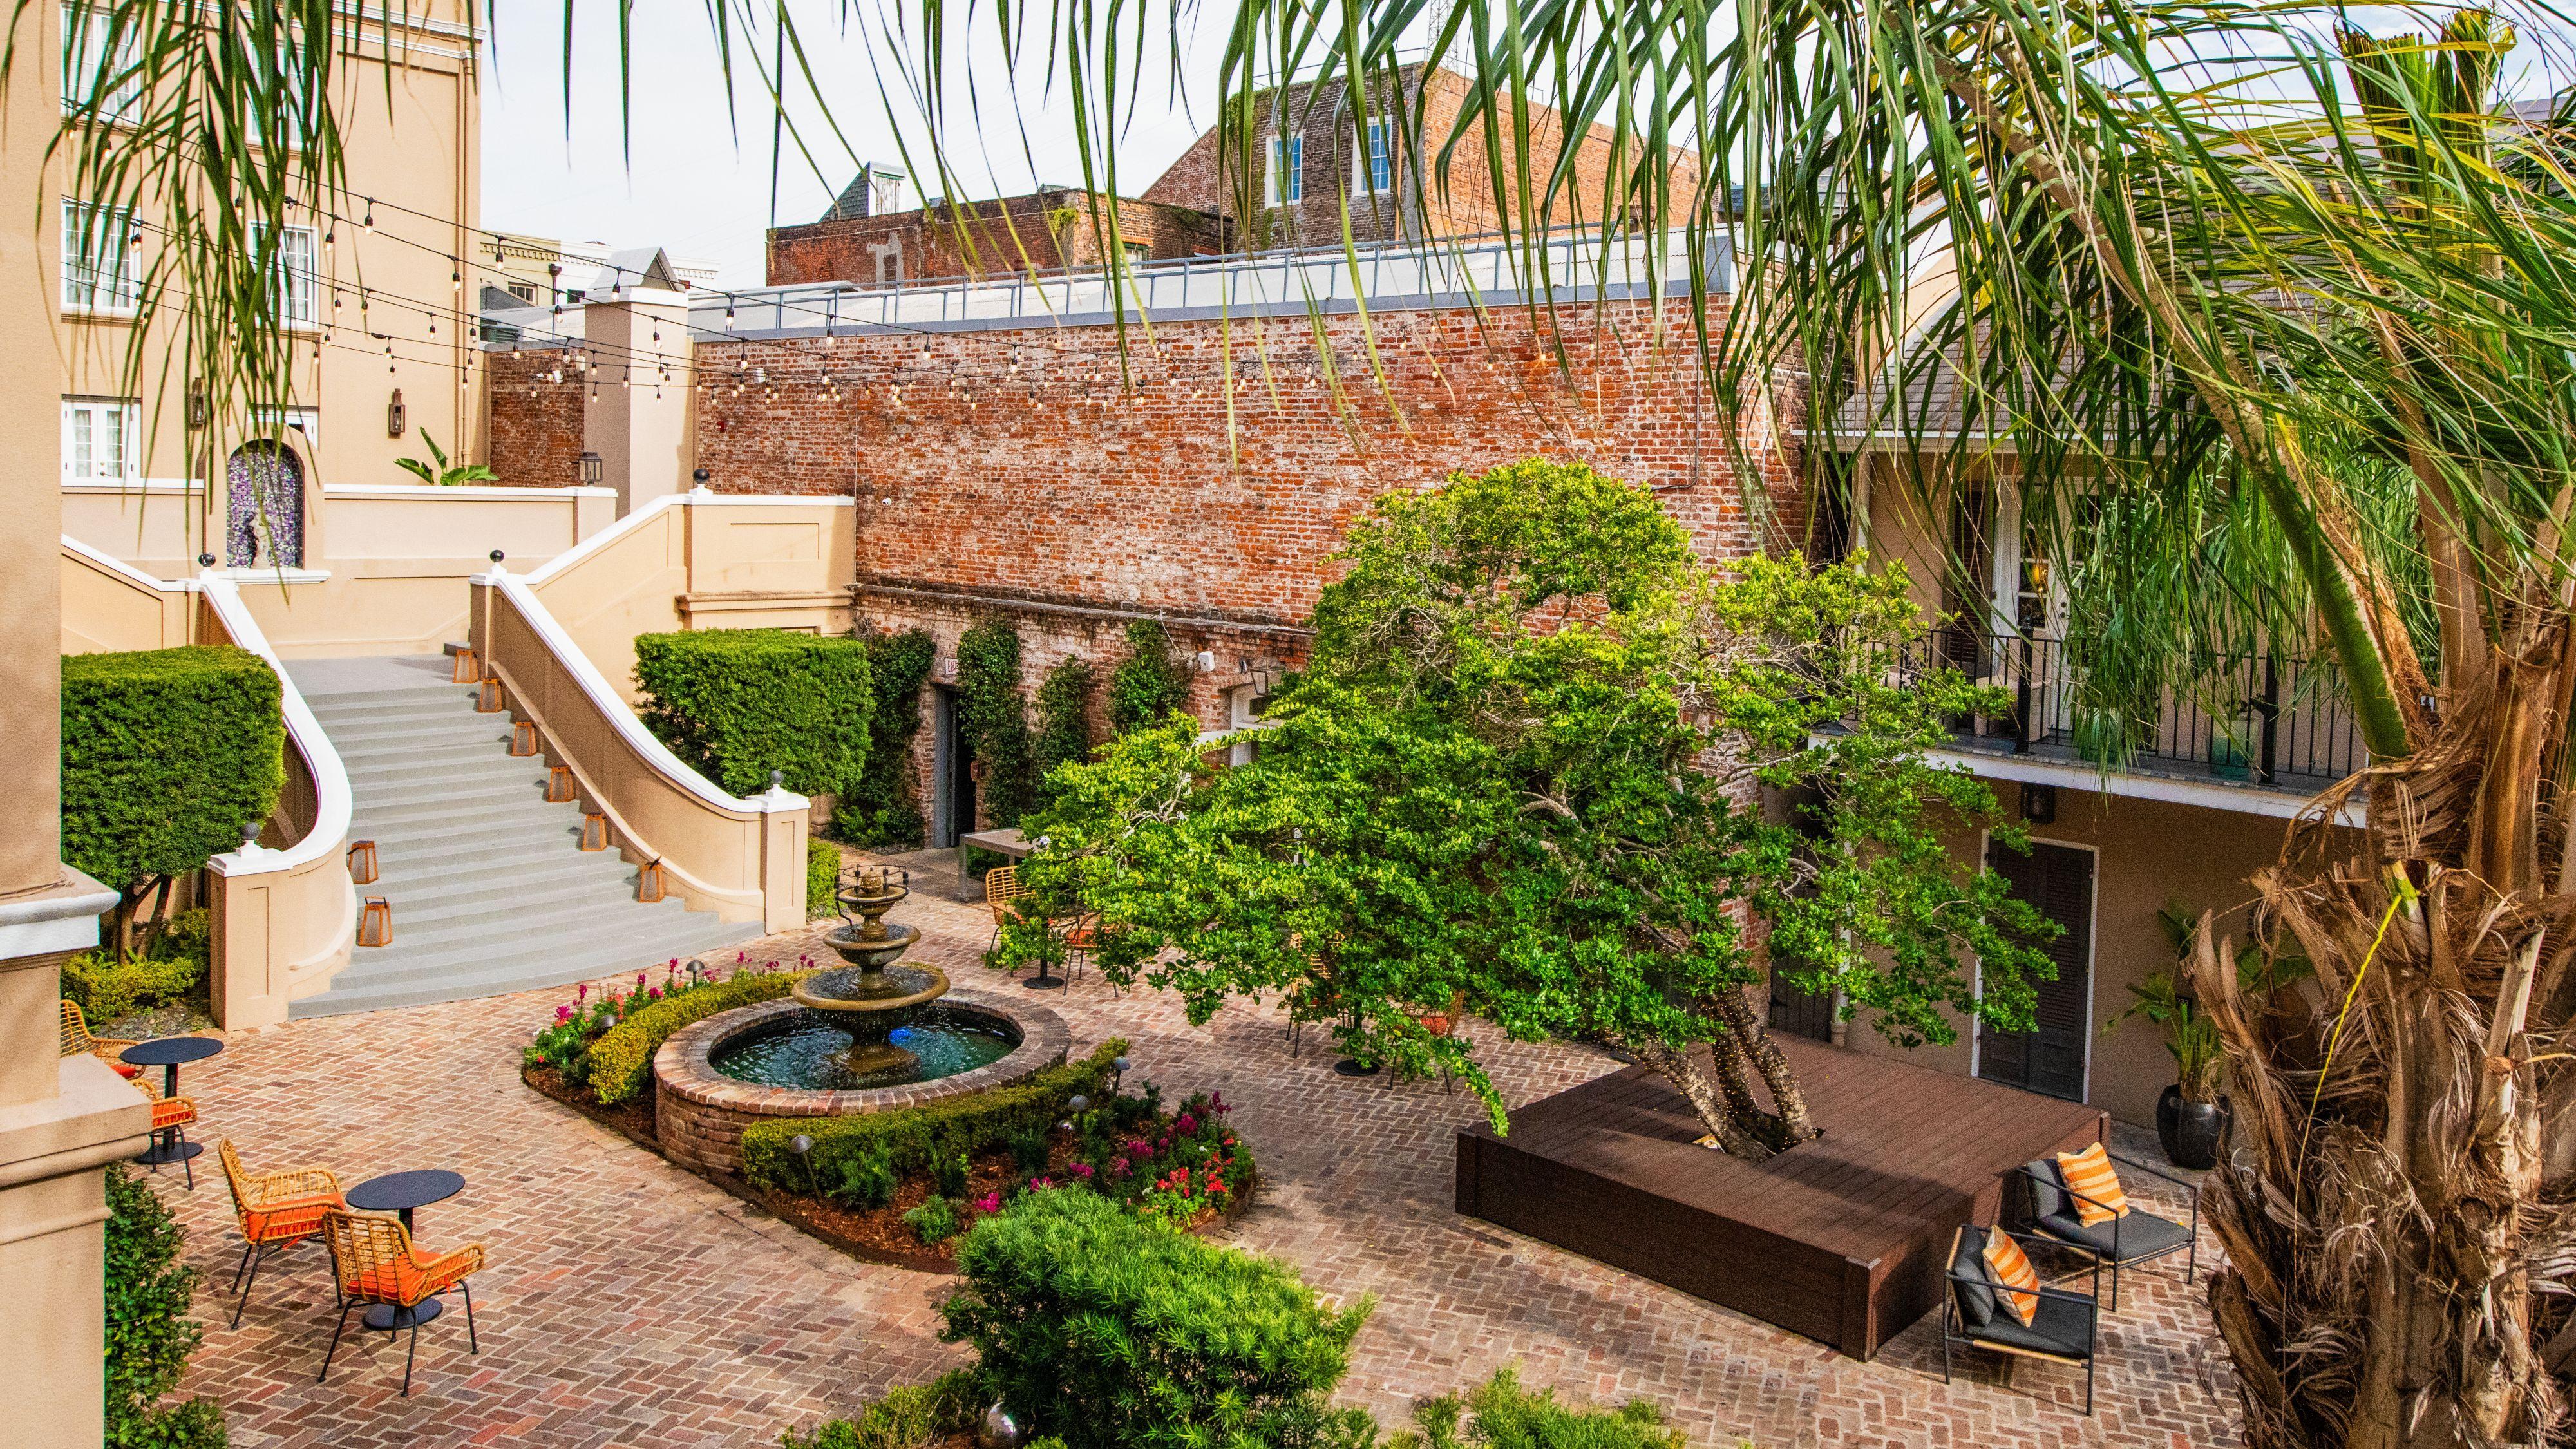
[(875, 1034)]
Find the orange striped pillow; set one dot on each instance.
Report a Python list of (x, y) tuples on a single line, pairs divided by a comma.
[(2089, 1172), (2016, 1281)]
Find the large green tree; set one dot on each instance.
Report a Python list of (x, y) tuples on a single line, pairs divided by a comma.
[(1524, 771)]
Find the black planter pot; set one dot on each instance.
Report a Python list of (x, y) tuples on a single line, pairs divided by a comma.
[(2190, 1130)]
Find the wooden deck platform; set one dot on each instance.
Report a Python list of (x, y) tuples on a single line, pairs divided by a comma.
[(1837, 1239)]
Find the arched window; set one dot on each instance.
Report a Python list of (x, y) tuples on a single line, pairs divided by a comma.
[(264, 511)]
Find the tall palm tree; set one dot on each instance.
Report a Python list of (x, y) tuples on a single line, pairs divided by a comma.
[(2208, 253)]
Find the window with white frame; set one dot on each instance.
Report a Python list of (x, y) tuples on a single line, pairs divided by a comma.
[(1245, 704), (102, 440), (1373, 171), (307, 421), (1285, 179), (88, 62), (298, 276), (98, 258)]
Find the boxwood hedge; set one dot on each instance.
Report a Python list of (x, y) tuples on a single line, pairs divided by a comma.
[(912, 1136), (621, 1061), (167, 754), (739, 703)]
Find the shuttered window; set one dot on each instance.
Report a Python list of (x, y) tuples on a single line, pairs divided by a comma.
[(2058, 880)]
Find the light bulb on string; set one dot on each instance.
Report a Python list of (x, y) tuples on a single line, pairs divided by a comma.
[(367, 223)]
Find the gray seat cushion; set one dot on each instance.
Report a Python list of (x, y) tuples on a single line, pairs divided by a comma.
[(1977, 1299), (2141, 1234), (2062, 1326)]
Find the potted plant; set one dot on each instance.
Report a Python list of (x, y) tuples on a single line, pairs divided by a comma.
[(2191, 1116)]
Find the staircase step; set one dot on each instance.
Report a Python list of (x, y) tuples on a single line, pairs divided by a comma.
[(490, 891)]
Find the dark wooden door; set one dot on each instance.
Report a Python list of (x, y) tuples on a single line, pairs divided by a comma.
[(2058, 880), (1800, 1013)]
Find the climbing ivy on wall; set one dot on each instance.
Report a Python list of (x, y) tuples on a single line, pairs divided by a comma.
[(884, 808), (993, 715), (1152, 681), (1064, 721)]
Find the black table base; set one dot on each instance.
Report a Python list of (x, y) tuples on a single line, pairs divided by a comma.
[(386, 1318), (1044, 981), (1354, 1067), (169, 1149)]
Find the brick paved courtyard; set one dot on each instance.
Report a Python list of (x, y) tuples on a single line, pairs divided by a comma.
[(629, 1303)]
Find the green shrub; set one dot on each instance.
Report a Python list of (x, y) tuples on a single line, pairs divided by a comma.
[(948, 1173), (621, 1061), (149, 1333), (867, 1180), (912, 1137), (906, 1418), (935, 1221), (1064, 721), (167, 754), (1029, 1151), (1151, 682), (884, 806), (739, 703), (994, 719), (822, 879), (1508, 1416), (107, 988), (1117, 1335)]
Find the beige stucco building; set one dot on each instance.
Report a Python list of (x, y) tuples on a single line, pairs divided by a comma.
[(378, 286)]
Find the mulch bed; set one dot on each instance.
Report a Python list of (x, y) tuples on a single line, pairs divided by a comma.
[(877, 1236)]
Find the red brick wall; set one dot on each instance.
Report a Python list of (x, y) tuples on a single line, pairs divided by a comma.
[(1019, 233), (1044, 494), (536, 421), (1203, 176)]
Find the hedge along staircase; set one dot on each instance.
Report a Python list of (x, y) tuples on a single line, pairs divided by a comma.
[(490, 890)]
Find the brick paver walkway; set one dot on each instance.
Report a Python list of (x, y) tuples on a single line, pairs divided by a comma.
[(629, 1303)]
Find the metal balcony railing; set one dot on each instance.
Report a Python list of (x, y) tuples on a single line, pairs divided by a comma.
[(1488, 267), (2274, 719)]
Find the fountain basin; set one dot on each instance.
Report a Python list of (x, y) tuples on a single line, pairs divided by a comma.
[(700, 1113)]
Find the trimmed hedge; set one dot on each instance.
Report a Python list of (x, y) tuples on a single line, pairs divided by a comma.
[(913, 1136), (906, 1418), (149, 1332), (739, 703), (167, 753), (884, 807), (621, 1061), (1117, 1334), (822, 879)]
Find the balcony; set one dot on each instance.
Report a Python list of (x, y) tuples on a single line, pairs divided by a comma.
[(2272, 723)]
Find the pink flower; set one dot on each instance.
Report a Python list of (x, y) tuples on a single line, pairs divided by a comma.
[(639, 980), (1186, 1124), (1041, 1184), (653, 994), (562, 1015), (585, 992), (1082, 1170), (990, 1202)]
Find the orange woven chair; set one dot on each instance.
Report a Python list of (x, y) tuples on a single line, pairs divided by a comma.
[(1001, 889), (277, 1210), (374, 1263), (170, 1114), (76, 1040)]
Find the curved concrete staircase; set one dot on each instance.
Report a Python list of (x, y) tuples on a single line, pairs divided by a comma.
[(491, 892)]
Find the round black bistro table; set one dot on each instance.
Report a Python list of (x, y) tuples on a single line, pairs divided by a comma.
[(398, 1193), (167, 1053)]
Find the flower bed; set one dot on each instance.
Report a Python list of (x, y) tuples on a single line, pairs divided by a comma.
[(601, 1049), (1183, 1168)]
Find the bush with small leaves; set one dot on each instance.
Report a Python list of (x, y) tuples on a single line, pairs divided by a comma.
[(906, 1418), (822, 879), (1115, 1334), (867, 1181), (149, 1333), (935, 1221), (948, 1173)]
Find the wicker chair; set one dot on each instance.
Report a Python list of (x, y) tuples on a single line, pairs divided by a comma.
[(76, 1040), (277, 1210), (170, 1114), (1447, 1022), (1001, 888), (373, 1263)]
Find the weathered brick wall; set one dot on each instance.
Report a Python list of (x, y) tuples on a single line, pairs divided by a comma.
[(1049, 231), (1006, 471), (536, 420)]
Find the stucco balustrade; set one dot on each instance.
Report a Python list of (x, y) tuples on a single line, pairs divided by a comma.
[(558, 637), (283, 914)]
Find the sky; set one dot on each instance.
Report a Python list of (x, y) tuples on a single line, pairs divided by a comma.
[(698, 184)]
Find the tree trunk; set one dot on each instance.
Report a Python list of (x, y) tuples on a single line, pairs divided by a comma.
[(2387, 1201), (1716, 1078)]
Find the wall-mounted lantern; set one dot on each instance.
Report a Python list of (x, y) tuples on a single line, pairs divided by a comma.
[(592, 469), (395, 416), (197, 408)]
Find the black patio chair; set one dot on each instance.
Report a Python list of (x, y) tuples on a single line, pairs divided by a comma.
[(2136, 1236), (2063, 1329)]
